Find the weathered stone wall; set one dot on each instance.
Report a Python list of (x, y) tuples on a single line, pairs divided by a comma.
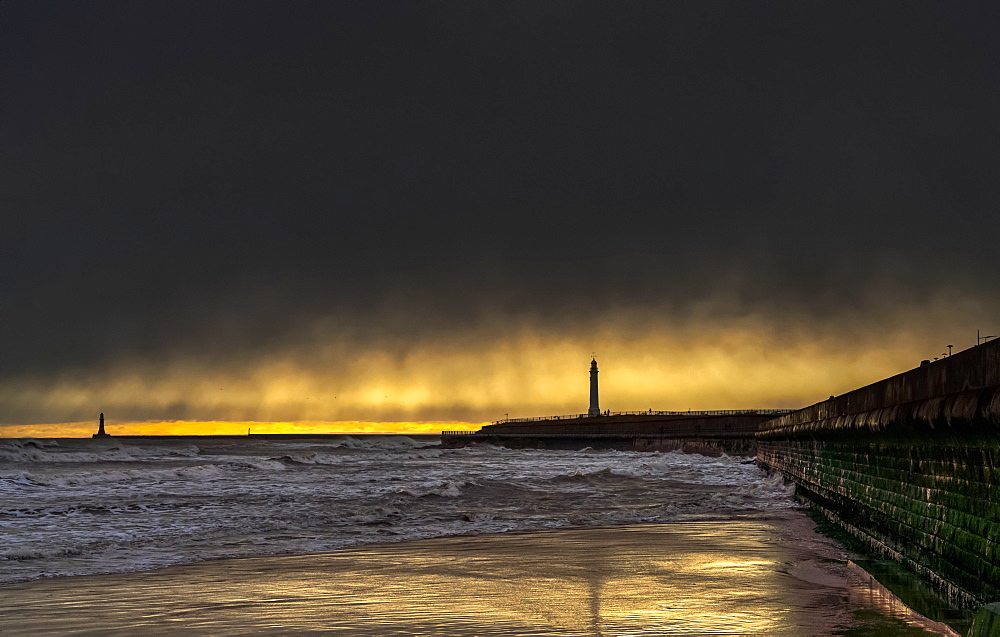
[(987, 622), (911, 466), (709, 434), (638, 425), (958, 395), (932, 507), (706, 446)]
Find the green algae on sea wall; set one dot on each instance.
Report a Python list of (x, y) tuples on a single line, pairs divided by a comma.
[(910, 466), (899, 506), (986, 622)]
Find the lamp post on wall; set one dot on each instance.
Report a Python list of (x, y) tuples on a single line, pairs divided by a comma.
[(949, 350)]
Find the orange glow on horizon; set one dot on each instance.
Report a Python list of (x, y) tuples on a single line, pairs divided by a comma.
[(226, 428), (327, 381)]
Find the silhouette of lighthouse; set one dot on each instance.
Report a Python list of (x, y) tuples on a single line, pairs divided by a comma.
[(100, 430), (595, 409)]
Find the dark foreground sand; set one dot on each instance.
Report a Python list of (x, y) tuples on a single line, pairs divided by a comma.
[(749, 575)]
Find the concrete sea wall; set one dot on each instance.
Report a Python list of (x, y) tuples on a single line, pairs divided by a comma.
[(706, 445), (722, 424), (911, 466), (709, 433)]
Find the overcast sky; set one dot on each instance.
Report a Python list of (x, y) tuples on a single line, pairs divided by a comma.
[(452, 204)]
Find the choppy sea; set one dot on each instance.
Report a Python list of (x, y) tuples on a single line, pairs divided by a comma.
[(75, 507)]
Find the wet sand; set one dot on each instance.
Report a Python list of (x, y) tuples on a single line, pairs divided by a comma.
[(748, 575)]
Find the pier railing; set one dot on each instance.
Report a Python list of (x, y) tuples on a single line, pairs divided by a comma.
[(650, 412)]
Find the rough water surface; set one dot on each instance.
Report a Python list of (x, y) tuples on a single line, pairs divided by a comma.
[(74, 507), (605, 542)]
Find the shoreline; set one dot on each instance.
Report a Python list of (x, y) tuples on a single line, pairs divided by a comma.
[(388, 543), (764, 574)]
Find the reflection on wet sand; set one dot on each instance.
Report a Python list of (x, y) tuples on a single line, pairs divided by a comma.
[(742, 576), (865, 590)]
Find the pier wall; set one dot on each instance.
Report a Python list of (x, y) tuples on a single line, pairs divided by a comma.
[(706, 445), (909, 465), (711, 433), (677, 425)]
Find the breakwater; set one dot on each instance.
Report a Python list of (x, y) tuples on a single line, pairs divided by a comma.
[(707, 432), (910, 465)]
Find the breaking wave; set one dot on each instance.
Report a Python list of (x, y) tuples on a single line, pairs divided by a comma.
[(90, 507), (32, 451)]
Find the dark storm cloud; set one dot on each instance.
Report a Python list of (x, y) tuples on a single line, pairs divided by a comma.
[(215, 175)]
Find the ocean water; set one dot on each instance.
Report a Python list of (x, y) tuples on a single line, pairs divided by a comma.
[(79, 507), (389, 535)]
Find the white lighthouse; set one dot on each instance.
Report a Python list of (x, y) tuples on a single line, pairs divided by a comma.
[(595, 409)]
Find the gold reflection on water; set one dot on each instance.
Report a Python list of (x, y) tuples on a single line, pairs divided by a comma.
[(745, 566), (730, 577)]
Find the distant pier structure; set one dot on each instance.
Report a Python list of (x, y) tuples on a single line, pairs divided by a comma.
[(595, 408), (710, 432), (100, 430)]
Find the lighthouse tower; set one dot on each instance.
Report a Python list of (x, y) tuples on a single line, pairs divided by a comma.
[(100, 431), (595, 409)]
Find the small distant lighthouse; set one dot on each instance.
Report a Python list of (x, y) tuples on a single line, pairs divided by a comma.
[(595, 409), (100, 430)]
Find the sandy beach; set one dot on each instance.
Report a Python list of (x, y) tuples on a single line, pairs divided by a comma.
[(763, 575)]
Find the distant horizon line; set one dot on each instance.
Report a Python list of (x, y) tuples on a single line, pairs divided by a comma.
[(252, 435), (236, 428)]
